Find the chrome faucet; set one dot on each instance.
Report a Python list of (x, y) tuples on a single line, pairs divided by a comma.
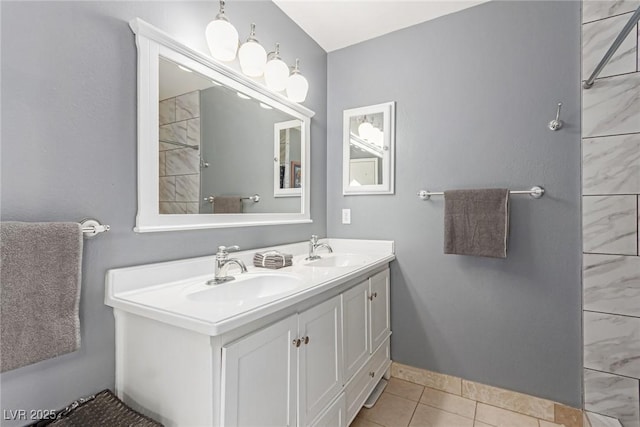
[(222, 265), (314, 245)]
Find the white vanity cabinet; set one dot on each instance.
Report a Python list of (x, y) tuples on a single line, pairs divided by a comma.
[(296, 362), (311, 359), (366, 338)]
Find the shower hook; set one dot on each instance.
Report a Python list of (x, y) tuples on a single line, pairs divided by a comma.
[(556, 124)]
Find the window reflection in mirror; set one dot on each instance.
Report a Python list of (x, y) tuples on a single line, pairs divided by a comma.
[(216, 149)]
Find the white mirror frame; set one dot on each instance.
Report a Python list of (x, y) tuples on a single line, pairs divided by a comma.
[(387, 163), (277, 127), (153, 43)]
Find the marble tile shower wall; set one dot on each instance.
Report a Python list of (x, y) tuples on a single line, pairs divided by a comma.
[(180, 166), (610, 206)]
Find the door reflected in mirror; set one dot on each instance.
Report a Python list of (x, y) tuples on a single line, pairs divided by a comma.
[(287, 159), (216, 149), (368, 149)]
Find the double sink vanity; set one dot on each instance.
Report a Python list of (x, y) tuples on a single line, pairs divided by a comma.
[(303, 345)]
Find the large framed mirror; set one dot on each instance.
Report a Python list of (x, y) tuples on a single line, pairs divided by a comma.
[(368, 149), (206, 143)]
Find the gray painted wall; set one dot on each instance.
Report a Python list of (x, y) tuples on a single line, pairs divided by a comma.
[(475, 91), (240, 151), (69, 151)]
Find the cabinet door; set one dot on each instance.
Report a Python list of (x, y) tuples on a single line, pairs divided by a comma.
[(379, 308), (355, 340), (320, 357), (258, 377), (333, 416)]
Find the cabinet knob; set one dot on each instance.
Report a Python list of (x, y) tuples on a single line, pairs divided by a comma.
[(372, 374), (306, 340), (372, 296), (297, 342)]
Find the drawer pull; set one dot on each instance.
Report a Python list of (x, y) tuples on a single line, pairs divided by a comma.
[(372, 374), (306, 340), (297, 342), (373, 295)]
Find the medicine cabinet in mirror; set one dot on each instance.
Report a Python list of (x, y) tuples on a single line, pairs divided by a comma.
[(368, 150), (206, 142)]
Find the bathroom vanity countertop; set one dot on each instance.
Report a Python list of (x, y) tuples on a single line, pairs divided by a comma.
[(175, 292)]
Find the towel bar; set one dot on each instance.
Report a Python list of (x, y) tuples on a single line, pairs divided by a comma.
[(535, 192), (92, 227)]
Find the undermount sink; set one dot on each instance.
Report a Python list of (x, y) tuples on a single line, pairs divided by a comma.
[(245, 287), (339, 260)]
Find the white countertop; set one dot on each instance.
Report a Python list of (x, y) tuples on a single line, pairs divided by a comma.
[(171, 292)]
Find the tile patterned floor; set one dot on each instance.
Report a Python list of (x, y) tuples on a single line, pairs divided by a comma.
[(406, 404)]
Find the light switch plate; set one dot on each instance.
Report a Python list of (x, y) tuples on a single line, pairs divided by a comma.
[(346, 216)]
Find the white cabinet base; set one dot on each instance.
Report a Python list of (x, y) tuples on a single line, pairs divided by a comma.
[(259, 376)]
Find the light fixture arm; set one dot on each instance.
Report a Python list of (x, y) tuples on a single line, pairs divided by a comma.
[(252, 34), (275, 54), (296, 68), (221, 14)]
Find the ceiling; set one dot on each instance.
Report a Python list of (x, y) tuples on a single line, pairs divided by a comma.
[(335, 24)]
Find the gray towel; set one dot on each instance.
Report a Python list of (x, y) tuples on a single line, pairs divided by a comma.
[(476, 222), (227, 205), (40, 271)]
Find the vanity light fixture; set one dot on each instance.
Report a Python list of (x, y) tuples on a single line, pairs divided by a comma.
[(297, 85), (216, 83), (183, 68), (276, 71), (265, 106), (222, 37), (242, 95), (365, 129), (253, 57)]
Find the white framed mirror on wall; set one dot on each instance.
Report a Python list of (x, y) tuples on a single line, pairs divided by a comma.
[(206, 143), (368, 148)]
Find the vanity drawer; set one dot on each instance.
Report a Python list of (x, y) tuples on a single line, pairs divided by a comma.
[(380, 361), (360, 386)]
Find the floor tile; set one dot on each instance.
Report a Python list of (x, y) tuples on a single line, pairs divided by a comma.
[(544, 423), (477, 423), (449, 402), (361, 422), (427, 416), (511, 400), (503, 418), (405, 389), (567, 416), (390, 411)]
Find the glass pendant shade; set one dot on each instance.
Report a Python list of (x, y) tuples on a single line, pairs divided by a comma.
[(222, 37), (276, 72), (376, 137), (297, 85), (253, 57), (364, 130)]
